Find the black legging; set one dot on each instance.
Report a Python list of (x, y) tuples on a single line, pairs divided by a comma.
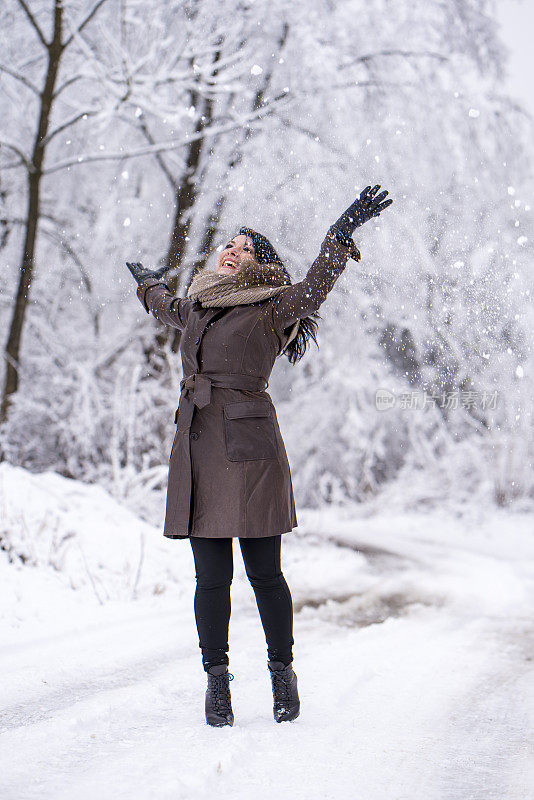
[(214, 567)]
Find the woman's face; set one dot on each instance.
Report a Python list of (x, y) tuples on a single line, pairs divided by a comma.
[(230, 257)]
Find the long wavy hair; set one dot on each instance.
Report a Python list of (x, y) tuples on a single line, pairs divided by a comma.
[(307, 330)]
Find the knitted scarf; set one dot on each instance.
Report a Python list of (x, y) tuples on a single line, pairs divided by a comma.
[(251, 283)]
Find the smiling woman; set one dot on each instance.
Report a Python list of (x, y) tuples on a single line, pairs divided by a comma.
[(229, 476), (231, 256)]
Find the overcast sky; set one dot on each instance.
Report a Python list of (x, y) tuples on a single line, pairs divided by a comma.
[(517, 21)]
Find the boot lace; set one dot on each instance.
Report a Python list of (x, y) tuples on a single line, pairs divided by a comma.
[(281, 687), (220, 690)]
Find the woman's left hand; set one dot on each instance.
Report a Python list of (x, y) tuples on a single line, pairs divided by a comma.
[(366, 206), (141, 273)]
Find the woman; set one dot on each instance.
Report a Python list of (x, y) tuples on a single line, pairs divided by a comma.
[(228, 470)]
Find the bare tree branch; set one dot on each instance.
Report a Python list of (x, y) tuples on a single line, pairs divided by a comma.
[(82, 25), (12, 165), (25, 160), (63, 242), (91, 159), (19, 77), (341, 153), (405, 53), (166, 171), (63, 86), (161, 148), (30, 16), (69, 249), (67, 124), (60, 223)]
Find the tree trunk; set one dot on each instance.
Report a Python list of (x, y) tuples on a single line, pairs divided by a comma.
[(186, 195), (13, 345)]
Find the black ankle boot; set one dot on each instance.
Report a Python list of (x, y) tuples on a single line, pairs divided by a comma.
[(285, 693), (218, 700)]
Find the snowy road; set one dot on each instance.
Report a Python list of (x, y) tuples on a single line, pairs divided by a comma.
[(416, 682)]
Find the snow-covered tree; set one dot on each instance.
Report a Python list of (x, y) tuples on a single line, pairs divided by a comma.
[(210, 116)]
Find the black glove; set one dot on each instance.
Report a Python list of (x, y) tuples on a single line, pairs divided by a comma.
[(363, 208), (141, 273)]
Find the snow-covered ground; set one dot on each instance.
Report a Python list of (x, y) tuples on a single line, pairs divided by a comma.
[(414, 647)]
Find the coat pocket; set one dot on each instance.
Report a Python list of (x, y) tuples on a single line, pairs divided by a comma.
[(249, 430)]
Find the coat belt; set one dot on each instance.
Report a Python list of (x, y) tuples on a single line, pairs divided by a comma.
[(195, 390)]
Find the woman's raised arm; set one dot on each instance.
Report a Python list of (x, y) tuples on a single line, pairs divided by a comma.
[(157, 298), (303, 298)]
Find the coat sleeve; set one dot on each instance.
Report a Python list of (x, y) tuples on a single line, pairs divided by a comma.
[(157, 298), (303, 298)]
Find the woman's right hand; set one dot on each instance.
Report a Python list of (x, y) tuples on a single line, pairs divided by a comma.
[(141, 273)]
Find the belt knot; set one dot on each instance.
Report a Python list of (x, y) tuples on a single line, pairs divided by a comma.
[(195, 390), (200, 385)]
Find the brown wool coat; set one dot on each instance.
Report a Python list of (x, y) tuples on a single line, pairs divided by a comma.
[(228, 468)]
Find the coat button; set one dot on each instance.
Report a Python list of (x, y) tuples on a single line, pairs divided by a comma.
[(194, 435)]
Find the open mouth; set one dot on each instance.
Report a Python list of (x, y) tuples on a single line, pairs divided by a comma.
[(229, 264)]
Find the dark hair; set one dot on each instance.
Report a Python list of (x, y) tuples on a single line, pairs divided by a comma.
[(266, 254)]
